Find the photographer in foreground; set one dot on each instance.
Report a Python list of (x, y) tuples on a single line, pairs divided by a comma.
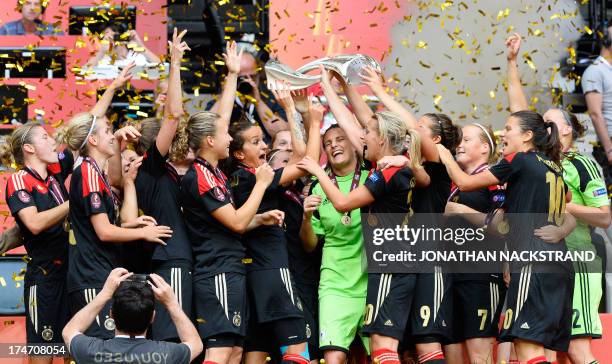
[(132, 310)]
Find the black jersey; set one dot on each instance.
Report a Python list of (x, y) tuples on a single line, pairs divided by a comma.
[(391, 189), (304, 266), (432, 199), (47, 251), (266, 245), (216, 248), (91, 260), (158, 188), (484, 200), (535, 196)]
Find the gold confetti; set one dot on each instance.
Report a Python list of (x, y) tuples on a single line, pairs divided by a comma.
[(437, 99), (421, 44), (588, 30)]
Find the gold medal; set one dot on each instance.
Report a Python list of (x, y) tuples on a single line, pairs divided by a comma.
[(66, 225), (503, 227), (346, 220), (372, 220)]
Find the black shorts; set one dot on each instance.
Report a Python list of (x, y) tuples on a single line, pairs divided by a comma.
[(103, 326), (273, 295), (220, 305), (432, 308), (477, 307), (178, 276), (46, 311), (539, 307), (310, 303), (388, 304), (270, 336)]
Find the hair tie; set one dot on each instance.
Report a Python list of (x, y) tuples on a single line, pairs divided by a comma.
[(491, 144), (93, 124)]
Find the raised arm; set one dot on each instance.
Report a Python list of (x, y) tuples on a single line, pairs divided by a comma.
[(84, 318), (360, 108), (173, 109), (307, 235), (103, 104), (313, 146), (232, 62), (185, 329), (516, 97), (129, 208), (344, 117), (286, 101), (374, 81)]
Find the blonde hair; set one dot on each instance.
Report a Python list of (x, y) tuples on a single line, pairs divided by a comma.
[(149, 129), (199, 126), (11, 152), (487, 136), (78, 130), (394, 131)]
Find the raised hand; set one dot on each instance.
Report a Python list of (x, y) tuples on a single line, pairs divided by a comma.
[(132, 169), (283, 96), (392, 161), (372, 79), (162, 290), (316, 111), (124, 76), (113, 281), (445, 154), (177, 47), (300, 99), (232, 57), (513, 43)]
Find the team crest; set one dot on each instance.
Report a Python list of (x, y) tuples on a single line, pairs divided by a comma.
[(237, 320), (95, 201), (308, 331), (218, 193), (24, 196), (109, 324), (47, 334)]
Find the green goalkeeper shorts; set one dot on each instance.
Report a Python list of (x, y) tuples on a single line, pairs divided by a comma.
[(340, 320)]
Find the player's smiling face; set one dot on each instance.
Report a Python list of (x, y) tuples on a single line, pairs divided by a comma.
[(337, 147), (372, 140), (253, 152), (471, 149)]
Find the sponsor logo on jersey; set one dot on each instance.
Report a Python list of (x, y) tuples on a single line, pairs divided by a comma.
[(525, 326), (374, 177), (218, 193), (599, 192), (23, 196), (95, 201), (388, 323)]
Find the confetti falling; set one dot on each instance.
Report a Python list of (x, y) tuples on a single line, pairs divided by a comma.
[(461, 62)]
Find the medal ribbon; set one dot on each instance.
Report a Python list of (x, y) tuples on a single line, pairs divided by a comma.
[(218, 175), (115, 199), (455, 188), (52, 185), (354, 184)]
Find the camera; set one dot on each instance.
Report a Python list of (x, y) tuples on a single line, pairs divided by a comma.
[(243, 86), (138, 278)]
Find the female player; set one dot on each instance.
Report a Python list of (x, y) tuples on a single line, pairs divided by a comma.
[(95, 236), (165, 161), (589, 205), (343, 278), (432, 310), (277, 309), (38, 200), (531, 169), (214, 227), (477, 297), (389, 295)]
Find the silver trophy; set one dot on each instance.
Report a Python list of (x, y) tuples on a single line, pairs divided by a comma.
[(349, 67)]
